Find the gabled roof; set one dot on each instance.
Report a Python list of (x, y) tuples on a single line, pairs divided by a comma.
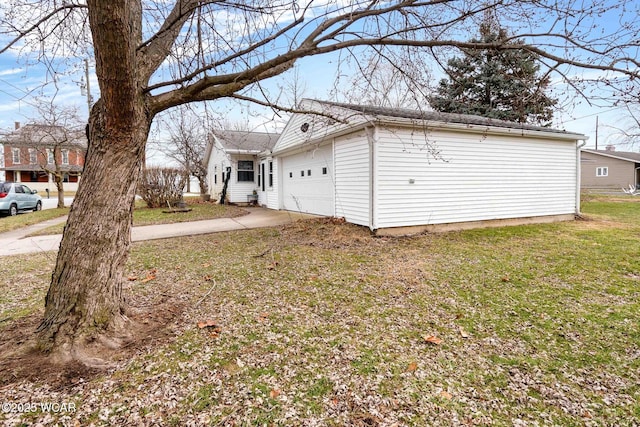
[(382, 113), (629, 156), (45, 136), (246, 141), (317, 121)]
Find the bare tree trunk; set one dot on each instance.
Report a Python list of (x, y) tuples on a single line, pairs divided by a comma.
[(60, 188), (85, 307), (85, 302)]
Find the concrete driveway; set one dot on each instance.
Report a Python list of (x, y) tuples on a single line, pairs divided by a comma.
[(16, 242)]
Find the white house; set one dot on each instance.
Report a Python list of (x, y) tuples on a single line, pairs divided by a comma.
[(399, 171), (232, 159)]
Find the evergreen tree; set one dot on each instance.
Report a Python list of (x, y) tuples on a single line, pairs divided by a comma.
[(496, 83)]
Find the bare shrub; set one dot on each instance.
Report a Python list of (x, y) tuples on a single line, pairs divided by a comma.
[(161, 186)]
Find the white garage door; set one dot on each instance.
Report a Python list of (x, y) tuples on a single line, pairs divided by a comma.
[(307, 184)]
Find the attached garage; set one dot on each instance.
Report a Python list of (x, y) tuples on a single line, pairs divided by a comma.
[(306, 184), (402, 171)]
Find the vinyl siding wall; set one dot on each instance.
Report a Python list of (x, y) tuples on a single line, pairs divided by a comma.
[(239, 190), (352, 178), (621, 173), (318, 126), (476, 177), (217, 164)]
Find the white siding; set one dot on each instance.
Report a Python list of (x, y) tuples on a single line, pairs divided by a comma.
[(478, 177), (238, 191), (352, 178), (306, 193), (216, 166), (317, 126)]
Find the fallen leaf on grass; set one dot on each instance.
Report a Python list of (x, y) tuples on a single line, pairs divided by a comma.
[(207, 324), (213, 328), (432, 339), (132, 278), (412, 367), (505, 279), (206, 265), (463, 333), (274, 393), (263, 316), (272, 266), (446, 395)]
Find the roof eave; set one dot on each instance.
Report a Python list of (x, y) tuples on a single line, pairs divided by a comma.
[(241, 151), (613, 156)]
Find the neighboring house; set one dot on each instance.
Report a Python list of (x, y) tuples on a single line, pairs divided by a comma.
[(232, 157), (32, 150), (400, 171), (609, 169)]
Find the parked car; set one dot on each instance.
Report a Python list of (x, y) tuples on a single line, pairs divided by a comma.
[(16, 197)]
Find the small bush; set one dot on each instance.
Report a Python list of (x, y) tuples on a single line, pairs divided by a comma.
[(162, 186)]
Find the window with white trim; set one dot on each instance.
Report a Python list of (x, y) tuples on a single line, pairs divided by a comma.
[(15, 156), (602, 171), (33, 156), (65, 157), (245, 171), (270, 173), (50, 157)]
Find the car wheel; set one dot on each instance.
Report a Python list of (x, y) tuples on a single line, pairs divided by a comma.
[(38, 206), (13, 210)]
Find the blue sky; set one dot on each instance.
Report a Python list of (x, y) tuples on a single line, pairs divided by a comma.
[(19, 86), (21, 83)]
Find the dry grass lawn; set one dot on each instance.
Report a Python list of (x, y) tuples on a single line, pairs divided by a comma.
[(319, 323)]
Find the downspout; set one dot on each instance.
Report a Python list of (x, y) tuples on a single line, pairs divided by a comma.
[(578, 176), (369, 131)]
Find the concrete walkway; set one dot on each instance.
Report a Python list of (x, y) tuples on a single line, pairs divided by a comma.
[(16, 242)]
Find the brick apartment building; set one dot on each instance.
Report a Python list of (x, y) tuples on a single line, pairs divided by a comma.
[(32, 153)]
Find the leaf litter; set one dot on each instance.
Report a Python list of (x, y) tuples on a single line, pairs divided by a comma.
[(335, 335)]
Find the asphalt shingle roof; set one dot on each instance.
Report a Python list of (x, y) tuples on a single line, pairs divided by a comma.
[(440, 117), (245, 140), (630, 155)]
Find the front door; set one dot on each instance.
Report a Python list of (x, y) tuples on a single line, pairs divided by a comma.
[(262, 195)]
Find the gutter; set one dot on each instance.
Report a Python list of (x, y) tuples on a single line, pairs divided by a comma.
[(578, 175), (240, 151), (481, 128)]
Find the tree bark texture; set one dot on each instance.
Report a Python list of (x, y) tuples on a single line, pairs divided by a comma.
[(85, 299), (60, 188)]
